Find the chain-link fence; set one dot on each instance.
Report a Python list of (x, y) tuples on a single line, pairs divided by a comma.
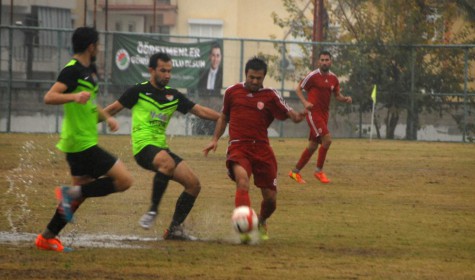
[(424, 92)]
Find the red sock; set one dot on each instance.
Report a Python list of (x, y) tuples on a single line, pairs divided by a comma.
[(304, 158), (322, 154), (242, 198)]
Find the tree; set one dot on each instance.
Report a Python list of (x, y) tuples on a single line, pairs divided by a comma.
[(382, 45)]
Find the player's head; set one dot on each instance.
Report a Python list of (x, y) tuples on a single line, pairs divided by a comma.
[(160, 69), (324, 61), (85, 39), (256, 70), (215, 56)]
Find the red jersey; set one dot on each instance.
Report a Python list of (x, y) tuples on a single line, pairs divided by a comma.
[(250, 114), (319, 87)]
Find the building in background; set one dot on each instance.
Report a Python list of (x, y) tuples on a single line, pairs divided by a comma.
[(207, 19), (138, 16), (32, 49), (203, 20)]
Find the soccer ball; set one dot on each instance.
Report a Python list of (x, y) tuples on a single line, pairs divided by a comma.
[(244, 219)]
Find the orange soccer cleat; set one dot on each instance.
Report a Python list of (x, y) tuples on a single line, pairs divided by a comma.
[(50, 244), (296, 176), (321, 177)]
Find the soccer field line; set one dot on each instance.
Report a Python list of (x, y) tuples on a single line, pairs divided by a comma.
[(103, 240), (83, 240)]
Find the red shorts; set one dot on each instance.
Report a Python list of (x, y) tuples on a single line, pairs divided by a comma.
[(258, 160), (318, 126)]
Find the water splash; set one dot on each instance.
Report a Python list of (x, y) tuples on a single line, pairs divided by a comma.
[(19, 182)]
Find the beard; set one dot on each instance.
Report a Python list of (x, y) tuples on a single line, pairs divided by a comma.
[(252, 88), (325, 68), (161, 83)]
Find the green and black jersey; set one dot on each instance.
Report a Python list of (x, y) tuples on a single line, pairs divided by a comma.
[(152, 110), (79, 129)]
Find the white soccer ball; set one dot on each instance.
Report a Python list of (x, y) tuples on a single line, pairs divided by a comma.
[(244, 219)]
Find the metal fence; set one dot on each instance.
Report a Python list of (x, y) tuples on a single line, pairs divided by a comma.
[(413, 102)]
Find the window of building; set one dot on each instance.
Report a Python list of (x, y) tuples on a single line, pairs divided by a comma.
[(50, 18), (163, 29), (131, 27), (205, 28), (118, 26)]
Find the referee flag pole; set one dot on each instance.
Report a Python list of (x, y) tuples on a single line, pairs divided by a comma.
[(373, 97)]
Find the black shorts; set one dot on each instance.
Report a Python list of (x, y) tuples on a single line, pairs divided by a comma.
[(93, 162), (145, 157)]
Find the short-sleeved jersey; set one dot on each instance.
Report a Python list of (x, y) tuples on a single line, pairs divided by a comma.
[(152, 109), (79, 128), (250, 114), (319, 87)]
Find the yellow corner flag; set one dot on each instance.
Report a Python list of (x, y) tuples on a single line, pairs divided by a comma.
[(373, 95)]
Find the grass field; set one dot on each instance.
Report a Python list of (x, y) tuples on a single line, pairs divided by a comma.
[(394, 210)]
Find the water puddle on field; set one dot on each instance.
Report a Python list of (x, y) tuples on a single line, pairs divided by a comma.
[(84, 240), (22, 183)]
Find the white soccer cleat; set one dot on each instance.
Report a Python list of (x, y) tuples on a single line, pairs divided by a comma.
[(148, 219)]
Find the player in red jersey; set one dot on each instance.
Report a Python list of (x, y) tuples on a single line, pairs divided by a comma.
[(319, 85), (249, 108)]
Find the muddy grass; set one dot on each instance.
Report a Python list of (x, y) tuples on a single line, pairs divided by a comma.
[(394, 210)]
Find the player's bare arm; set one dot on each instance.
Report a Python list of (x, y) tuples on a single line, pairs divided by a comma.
[(105, 116), (307, 105), (341, 98), (296, 117), (56, 96), (205, 112), (113, 108), (221, 124)]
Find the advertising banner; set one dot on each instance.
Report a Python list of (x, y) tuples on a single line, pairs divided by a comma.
[(132, 53)]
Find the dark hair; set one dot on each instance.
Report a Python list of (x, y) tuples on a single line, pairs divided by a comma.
[(83, 37), (325, 53), (256, 64), (153, 62), (215, 46)]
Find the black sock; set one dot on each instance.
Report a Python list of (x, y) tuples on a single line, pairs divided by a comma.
[(58, 222), (182, 209), (160, 184), (100, 187)]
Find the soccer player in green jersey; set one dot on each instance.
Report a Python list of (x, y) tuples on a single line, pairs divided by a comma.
[(152, 104), (94, 171)]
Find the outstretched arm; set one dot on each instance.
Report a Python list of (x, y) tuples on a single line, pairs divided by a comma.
[(113, 108), (221, 124), (105, 116), (204, 112), (110, 111)]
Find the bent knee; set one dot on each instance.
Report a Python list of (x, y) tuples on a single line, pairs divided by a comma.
[(197, 187), (123, 184), (194, 188), (242, 183)]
